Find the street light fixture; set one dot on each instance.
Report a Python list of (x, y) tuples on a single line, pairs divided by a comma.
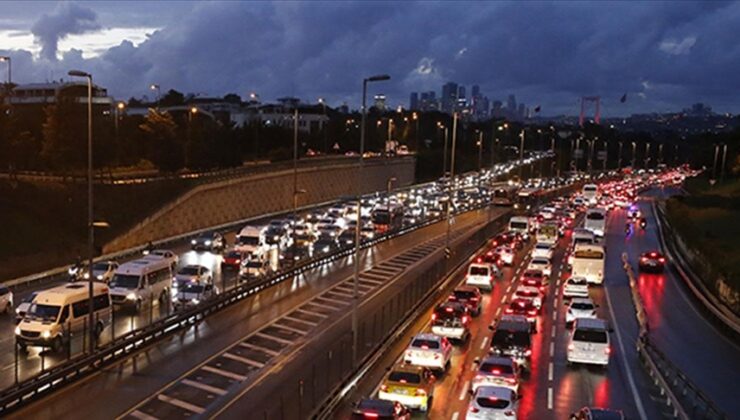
[(155, 87), (6, 58), (356, 287), (444, 154), (90, 220)]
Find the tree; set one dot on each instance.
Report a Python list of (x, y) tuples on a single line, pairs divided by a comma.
[(232, 98), (165, 151), (172, 98), (63, 135)]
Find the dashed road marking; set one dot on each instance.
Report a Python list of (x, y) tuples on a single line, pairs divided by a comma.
[(302, 321), (484, 343), (203, 387), (142, 416), (224, 373), (287, 328), (549, 398), (306, 311), (244, 360), (549, 372), (182, 404), (464, 390), (552, 349), (554, 315), (455, 415), (552, 333), (259, 348), (498, 310), (273, 338)]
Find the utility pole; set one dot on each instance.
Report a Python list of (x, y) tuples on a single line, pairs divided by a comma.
[(451, 185)]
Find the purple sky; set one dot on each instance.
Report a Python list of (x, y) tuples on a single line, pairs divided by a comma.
[(664, 55)]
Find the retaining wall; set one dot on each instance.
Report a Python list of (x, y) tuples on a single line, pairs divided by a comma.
[(232, 200)]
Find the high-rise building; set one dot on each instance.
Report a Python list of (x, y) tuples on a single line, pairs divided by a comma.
[(497, 110), (522, 113), (380, 101), (414, 101), (511, 104), (449, 96), (475, 91), (461, 92)]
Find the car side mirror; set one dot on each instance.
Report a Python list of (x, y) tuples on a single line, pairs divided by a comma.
[(476, 361), (490, 327)]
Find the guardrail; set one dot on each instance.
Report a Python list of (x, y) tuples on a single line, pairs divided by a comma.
[(685, 399), (685, 265)]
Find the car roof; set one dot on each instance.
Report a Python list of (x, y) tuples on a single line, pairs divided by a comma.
[(497, 392), (384, 407), (498, 360), (427, 336), (404, 367), (591, 323), (466, 288), (581, 300)]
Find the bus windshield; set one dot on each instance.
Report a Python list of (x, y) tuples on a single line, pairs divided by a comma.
[(589, 254)]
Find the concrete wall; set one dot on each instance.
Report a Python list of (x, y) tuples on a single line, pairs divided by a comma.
[(232, 200)]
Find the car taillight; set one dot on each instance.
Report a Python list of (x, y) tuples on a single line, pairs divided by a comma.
[(496, 371), (509, 311), (425, 347), (607, 351), (661, 259), (474, 299), (369, 415), (571, 347), (420, 393), (532, 312), (528, 352), (465, 319), (434, 317), (512, 381), (474, 409), (384, 387), (448, 309)]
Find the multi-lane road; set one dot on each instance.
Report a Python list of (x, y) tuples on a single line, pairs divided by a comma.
[(553, 389)]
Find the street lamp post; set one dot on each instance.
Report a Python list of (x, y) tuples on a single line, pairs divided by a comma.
[(155, 87), (724, 160), (634, 154), (326, 141), (6, 58), (389, 185), (480, 151), (444, 152), (356, 283), (647, 154), (416, 118), (119, 107), (619, 157), (90, 225), (450, 185)]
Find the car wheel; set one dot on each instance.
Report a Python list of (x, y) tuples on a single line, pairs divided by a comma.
[(57, 346), (99, 329), (23, 347)]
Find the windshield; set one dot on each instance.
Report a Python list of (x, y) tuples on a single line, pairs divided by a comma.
[(100, 267), (511, 338), (43, 312), (595, 216), (125, 281), (248, 240), (382, 217), (429, 344), (526, 293), (254, 264), (592, 336), (478, 271), (579, 281), (500, 193), (582, 306), (589, 241), (189, 271), (518, 225), (496, 368), (405, 377), (492, 402), (464, 294)]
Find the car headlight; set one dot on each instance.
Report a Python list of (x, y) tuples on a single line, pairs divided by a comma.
[(175, 298), (208, 243), (86, 276), (17, 311), (46, 334), (131, 296), (99, 277), (326, 249), (193, 242), (196, 301), (17, 330)]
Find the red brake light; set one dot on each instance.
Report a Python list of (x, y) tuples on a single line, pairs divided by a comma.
[(384, 387), (607, 351), (425, 347), (369, 415), (661, 259), (474, 299), (496, 371), (653, 254), (474, 410), (465, 319), (509, 310), (448, 309), (528, 352), (492, 399), (571, 347), (434, 317), (479, 259), (403, 381), (532, 312)]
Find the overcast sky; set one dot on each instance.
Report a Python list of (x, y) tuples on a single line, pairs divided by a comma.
[(664, 55)]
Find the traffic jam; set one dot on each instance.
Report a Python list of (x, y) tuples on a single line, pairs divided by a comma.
[(482, 352)]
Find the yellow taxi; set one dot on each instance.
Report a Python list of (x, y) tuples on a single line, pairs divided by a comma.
[(412, 386)]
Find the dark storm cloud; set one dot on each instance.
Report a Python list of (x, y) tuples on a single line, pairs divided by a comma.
[(66, 19), (664, 55)]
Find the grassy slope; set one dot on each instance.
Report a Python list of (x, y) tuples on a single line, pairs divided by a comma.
[(44, 224)]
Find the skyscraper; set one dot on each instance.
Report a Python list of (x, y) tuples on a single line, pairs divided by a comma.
[(461, 92), (475, 91), (511, 105), (449, 96), (414, 101), (380, 102)]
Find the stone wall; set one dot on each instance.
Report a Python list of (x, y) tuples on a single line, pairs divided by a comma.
[(230, 201)]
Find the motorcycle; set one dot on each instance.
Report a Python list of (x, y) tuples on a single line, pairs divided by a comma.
[(627, 229), (643, 224), (75, 272)]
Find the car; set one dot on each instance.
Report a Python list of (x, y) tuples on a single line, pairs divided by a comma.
[(325, 245), (542, 249), (372, 408), (192, 294), (589, 342), (276, 235), (347, 238), (232, 260), (536, 278), (482, 274), (652, 262), (497, 371), (294, 253), (166, 255), (506, 254), (210, 241), (22, 308), (470, 296), (493, 402), (597, 413), (429, 350), (192, 274), (6, 299), (541, 263), (532, 293), (252, 269), (304, 238), (102, 271), (575, 287), (525, 308), (412, 386), (512, 337), (451, 319), (580, 308)]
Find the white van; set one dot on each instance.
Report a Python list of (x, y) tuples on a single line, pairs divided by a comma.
[(595, 221), (61, 311), (590, 192), (520, 224), (589, 262), (482, 275), (580, 237), (589, 342), (250, 239), (141, 281)]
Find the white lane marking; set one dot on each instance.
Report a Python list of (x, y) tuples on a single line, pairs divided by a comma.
[(306, 311), (472, 367), (508, 289), (302, 321), (549, 398), (498, 311), (273, 338), (464, 390), (224, 373), (244, 360), (259, 348), (203, 387), (554, 315), (288, 328), (455, 415), (182, 404), (484, 342), (552, 333), (552, 349), (549, 372), (625, 365), (142, 416)]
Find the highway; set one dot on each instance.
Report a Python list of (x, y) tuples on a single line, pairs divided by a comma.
[(126, 385), (552, 389)]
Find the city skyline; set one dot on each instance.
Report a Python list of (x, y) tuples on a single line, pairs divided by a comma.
[(128, 46)]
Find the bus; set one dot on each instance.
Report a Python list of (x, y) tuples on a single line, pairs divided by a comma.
[(589, 262), (527, 199), (387, 217), (503, 195)]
